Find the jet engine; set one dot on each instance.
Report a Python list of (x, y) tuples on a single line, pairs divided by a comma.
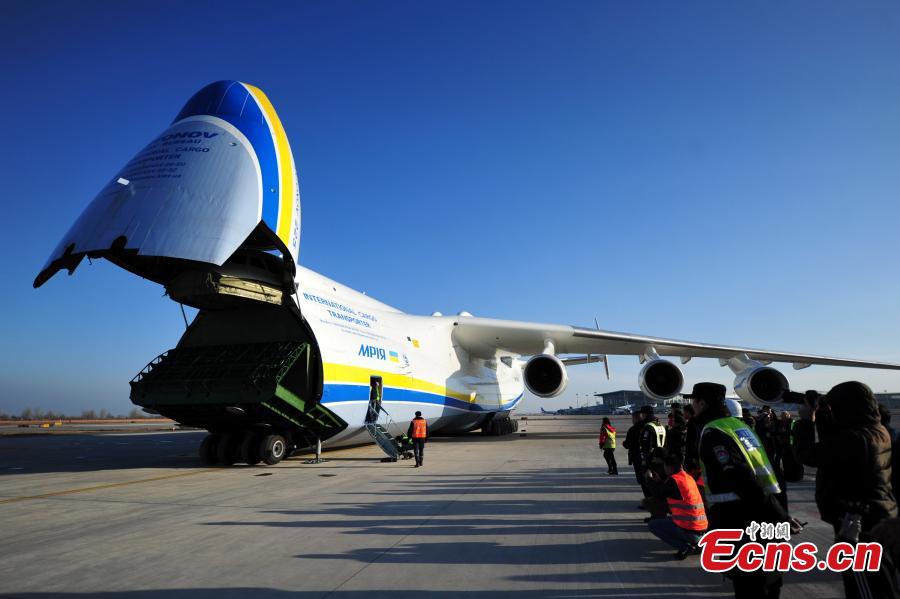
[(545, 375), (758, 384), (660, 379)]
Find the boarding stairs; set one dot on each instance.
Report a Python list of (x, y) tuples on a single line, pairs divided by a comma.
[(388, 444), (384, 440)]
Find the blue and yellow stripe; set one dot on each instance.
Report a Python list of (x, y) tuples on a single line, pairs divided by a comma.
[(249, 110), (351, 384)]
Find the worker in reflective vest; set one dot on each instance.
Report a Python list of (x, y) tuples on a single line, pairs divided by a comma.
[(741, 486), (607, 442), (683, 529), (652, 440), (418, 432)]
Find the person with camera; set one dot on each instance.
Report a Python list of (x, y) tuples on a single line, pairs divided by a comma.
[(853, 480)]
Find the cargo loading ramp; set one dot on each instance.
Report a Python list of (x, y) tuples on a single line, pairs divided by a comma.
[(226, 388)]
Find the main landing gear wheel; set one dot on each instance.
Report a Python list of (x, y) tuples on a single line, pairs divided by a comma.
[(208, 449), (500, 426), (250, 449), (273, 449), (228, 448)]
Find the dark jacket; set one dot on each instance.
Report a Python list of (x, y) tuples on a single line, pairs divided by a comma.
[(895, 461), (853, 457), (631, 444), (691, 440), (766, 429), (726, 471), (805, 441), (676, 440)]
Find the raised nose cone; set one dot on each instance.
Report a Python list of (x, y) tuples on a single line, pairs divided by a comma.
[(222, 176)]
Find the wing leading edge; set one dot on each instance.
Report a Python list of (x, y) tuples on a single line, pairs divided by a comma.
[(485, 337)]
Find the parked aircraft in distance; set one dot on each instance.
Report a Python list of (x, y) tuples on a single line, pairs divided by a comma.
[(280, 357), (592, 410)]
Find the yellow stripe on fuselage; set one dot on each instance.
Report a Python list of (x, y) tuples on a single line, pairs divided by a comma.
[(339, 373), (285, 166)]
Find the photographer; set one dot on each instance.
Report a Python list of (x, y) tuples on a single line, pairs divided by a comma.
[(853, 481)]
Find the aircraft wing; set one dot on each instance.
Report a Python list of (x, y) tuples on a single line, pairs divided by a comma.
[(485, 337)]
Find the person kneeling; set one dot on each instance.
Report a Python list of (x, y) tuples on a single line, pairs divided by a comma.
[(687, 523)]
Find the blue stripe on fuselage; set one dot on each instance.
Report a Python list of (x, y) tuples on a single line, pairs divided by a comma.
[(333, 393)]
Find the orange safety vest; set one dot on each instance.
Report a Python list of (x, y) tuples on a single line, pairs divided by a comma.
[(687, 513), (419, 428)]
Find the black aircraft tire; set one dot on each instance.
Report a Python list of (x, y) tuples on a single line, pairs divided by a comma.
[(250, 449), (226, 449), (273, 449), (208, 451)]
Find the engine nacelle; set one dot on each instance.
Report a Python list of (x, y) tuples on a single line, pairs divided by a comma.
[(545, 375), (660, 379), (761, 385)]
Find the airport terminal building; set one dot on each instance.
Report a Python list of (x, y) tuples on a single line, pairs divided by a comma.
[(625, 397)]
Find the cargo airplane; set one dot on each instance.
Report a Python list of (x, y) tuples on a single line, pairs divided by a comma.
[(281, 358)]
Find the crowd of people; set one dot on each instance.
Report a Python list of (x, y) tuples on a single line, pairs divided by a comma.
[(716, 466)]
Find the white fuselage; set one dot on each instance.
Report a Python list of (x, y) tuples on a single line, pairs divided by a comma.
[(420, 366)]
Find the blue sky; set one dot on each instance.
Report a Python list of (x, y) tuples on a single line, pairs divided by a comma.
[(705, 171)]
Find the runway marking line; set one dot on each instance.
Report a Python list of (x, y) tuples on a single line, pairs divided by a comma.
[(108, 486)]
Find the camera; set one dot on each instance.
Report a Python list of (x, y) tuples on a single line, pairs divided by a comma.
[(810, 398)]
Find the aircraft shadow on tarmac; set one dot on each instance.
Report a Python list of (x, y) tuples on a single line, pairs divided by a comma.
[(528, 516), (645, 590), (614, 555), (91, 453), (41, 454)]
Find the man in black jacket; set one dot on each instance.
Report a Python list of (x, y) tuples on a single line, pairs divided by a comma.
[(739, 491), (634, 449), (676, 437), (853, 480)]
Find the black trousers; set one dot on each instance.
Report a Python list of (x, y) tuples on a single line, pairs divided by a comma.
[(419, 450), (610, 456), (869, 585), (756, 585), (639, 475)]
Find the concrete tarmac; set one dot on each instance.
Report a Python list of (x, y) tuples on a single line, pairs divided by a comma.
[(531, 515)]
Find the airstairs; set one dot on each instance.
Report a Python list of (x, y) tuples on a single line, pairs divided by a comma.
[(384, 440), (389, 445)]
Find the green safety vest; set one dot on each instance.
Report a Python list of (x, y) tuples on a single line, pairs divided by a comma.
[(660, 432), (753, 452)]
